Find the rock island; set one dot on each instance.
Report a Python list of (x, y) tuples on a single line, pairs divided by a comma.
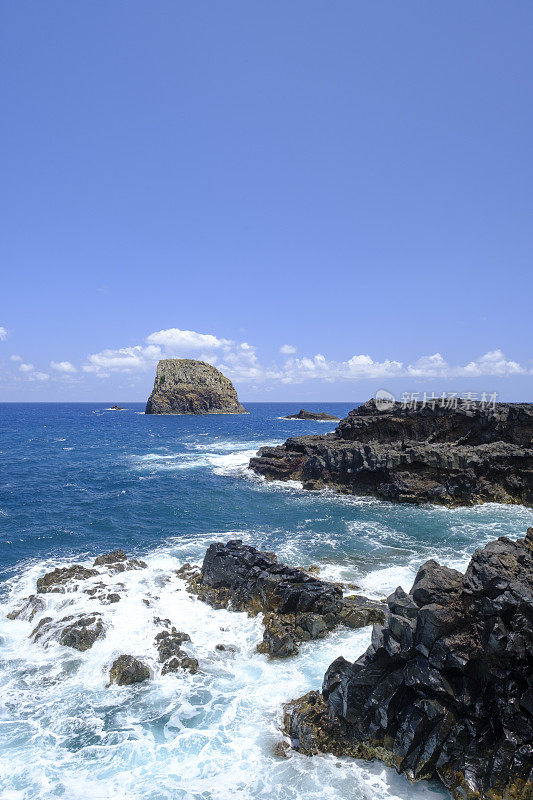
[(185, 386)]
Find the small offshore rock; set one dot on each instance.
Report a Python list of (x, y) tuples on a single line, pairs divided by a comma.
[(311, 415), (127, 670)]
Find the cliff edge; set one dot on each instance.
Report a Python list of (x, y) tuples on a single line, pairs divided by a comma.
[(185, 386)]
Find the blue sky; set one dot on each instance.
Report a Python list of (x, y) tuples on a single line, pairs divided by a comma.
[(321, 198)]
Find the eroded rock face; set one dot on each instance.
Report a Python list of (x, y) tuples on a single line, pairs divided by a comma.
[(185, 386), (442, 455), (446, 688), (127, 670), (297, 606)]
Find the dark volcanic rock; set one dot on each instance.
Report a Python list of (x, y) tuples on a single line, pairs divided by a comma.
[(117, 561), (173, 658), (303, 414), (446, 687), (127, 670), (185, 386), (442, 455), (57, 580), (297, 606), (79, 631)]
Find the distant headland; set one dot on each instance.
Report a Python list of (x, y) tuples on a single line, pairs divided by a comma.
[(185, 386)]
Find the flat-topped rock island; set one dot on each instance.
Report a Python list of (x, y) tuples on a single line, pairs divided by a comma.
[(186, 386)]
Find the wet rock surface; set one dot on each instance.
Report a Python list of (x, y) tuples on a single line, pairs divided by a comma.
[(186, 386), (118, 561), (171, 655), (297, 606), (451, 456), (311, 415), (57, 580), (445, 690), (79, 631), (127, 670)]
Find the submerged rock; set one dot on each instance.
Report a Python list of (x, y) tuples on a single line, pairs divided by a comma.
[(297, 606), (180, 662), (185, 386), (79, 631), (303, 414), (29, 608), (127, 670), (451, 456), (445, 690)]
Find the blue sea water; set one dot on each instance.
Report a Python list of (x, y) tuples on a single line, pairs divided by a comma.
[(77, 480)]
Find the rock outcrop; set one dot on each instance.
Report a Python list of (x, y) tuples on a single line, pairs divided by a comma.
[(311, 415), (445, 690), (452, 456), (297, 606), (173, 658), (185, 386), (127, 670)]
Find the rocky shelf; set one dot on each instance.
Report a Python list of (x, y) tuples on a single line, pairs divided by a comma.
[(445, 689), (453, 456), (296, 605), (185, 386)]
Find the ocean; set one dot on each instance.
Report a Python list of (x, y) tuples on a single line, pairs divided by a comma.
[(77, 480)]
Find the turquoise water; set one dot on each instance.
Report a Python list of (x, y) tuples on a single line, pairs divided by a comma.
[(78, 480)]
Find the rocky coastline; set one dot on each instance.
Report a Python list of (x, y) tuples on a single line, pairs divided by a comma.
[(460, 455), (445, 689), (186, 386)]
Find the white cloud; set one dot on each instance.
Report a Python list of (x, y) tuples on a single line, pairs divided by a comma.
[(237, 358), (176, 340), (63, 366), (297, 370), (15, 358), (3, 334), (32, 374), (240, 361), (125, 359), (493, 363)]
